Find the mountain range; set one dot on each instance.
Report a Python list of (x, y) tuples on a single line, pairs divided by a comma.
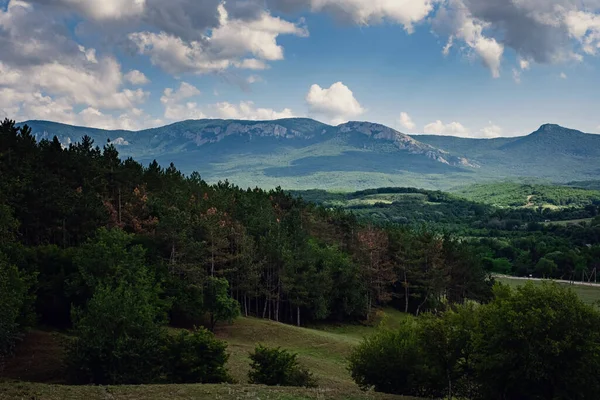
[(301, 153)]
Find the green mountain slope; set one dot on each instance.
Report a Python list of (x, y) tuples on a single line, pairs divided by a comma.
[(552, 153), (301, 153)]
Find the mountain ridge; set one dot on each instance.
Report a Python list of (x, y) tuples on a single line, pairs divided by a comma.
[(305, 153)]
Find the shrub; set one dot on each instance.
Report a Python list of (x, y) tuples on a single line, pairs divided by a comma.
[(195, 357), (278, 367), (388, 361), (14, 287), (538, 342), (117, 339)]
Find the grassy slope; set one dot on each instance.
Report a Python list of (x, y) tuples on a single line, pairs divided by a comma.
[(159, 392), (323, 350)]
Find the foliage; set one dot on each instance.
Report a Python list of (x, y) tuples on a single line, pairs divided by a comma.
[(277, 367), (389, 362), (14, 302), (218, 303), (538, 342), (195, 357), (117, 337)]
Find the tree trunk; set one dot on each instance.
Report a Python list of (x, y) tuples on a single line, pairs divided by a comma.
[(406, 294), (119, 206), (245, 305), (278, 299), (298, 316), (265, 308)]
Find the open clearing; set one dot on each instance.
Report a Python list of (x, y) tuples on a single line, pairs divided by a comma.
[(322, 349), (590, 294)]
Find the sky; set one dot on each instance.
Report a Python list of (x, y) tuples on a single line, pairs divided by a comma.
[(471, 68)]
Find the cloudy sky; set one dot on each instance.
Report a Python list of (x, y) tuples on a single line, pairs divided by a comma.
[(476, 68)]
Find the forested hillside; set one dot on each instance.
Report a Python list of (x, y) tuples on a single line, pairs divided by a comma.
[(558, 240), (83, 231)]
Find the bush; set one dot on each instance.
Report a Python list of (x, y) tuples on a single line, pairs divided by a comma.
[(389, 361), (14, 287), (538, 342), (278, 367), (195, 357), (117, 339)]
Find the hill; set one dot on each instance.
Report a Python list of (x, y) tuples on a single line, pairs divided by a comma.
[(301, 153), (552, 152), (511, 194)]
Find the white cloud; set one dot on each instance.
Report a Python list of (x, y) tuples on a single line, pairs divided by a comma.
[(336, 103), (516, 75), (254, 79), (585, 27), (225, 47), (491, 131), (107, 9), (406, 122), (448, 46), (470, 30), (175, 108), (524, 64), (365, 12), (136, 77), (563, 75), (451, 129), (185, 91), (247, 110)]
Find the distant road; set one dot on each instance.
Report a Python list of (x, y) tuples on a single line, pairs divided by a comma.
[(553, 280)]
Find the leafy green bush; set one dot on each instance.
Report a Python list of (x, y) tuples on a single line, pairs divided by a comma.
[(14, 286), (117, 338), (535, 343), (217, 301), (278, 367), (195, 357), (389, 361)]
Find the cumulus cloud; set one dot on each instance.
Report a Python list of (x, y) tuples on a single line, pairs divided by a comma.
[(178, 107), (406, 122), (365, 12), (337, 103), (136, 77), (46, 74), (246, 110), (563, 75), (491, 131), (228, 45), (537, 30), (451, 129)]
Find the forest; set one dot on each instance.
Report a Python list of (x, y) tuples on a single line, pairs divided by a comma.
[(79, 224), (139, 265), (561, 242)]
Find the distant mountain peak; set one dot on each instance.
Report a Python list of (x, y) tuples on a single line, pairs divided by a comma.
[(556, 129), (550, 127)]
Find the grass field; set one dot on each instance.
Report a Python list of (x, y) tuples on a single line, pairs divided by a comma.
[(323, 349), (37, 391), (589, 294), (569, 222)]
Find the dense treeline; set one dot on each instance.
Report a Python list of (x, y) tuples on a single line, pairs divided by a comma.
[(92, 233), (512, 194), (516, 241), (535, 343)]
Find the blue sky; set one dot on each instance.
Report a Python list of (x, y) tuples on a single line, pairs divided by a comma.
[(475, 68)]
